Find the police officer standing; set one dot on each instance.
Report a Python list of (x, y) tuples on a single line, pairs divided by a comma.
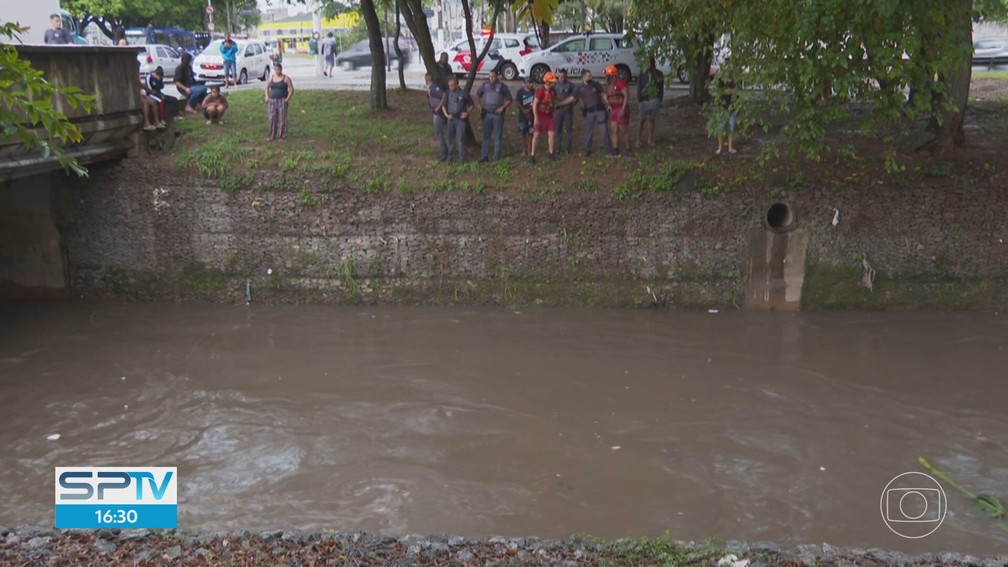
[(564, 115), (594, 109), (458, 104), (436, 96), (492, 99)]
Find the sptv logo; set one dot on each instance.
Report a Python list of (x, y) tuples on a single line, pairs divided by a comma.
[(121, 497)]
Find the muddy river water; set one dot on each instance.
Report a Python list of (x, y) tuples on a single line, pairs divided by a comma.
[(759, 426)]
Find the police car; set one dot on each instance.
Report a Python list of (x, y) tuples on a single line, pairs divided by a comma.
[(503, 55), (591, 52)]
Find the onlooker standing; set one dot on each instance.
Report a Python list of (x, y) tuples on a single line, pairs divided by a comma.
[(329, 53), (593, 108), (436, 97), (229, 52), (56, 35), (214, 106), (456, 109), (186, 83), (619, 109), (563, 116), (492, 98), (542, 111), (446, 70), (650, 94), (279, 90), (724, 113), (526, 120)]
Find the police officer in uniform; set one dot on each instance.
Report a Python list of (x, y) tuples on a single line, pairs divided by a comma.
[(594, 109), (564, 115), (492, 99), (456, 109), (436, 97)]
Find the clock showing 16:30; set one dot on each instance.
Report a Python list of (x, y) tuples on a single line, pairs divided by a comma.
[(116, 516)]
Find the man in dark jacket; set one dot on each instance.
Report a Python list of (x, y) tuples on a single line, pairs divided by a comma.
[(186, 83)]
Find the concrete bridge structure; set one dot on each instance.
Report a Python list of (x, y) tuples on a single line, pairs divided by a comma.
[(32, 254)]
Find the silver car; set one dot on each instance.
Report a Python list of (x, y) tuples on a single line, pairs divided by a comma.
[(156, 55)]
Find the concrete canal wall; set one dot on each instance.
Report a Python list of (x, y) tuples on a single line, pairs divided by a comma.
[(136, 231)]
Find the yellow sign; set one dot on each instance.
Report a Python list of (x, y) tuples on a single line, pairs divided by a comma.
[(297, 28)]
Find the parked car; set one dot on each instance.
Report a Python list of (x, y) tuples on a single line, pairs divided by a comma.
[(990, 51), (359, 54), (253, 61), (154, 56), (579, 53), (505, 52)]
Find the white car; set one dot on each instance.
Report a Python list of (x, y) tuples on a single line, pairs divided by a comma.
[(253, 61), (505, 52), (581, 53), (154, 56)]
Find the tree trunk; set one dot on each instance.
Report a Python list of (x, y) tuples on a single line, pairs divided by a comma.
[(467, 10), (949, 106), (544, 35), (379, 97), (702, 51), (416, 20), (398, 50)]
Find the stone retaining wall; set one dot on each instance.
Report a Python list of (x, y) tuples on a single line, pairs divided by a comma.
[(138, 231)]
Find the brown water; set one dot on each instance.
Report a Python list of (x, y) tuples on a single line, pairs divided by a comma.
[(762, 426)]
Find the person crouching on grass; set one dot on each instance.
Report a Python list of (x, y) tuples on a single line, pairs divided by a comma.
[(542, 113), (214, 106)]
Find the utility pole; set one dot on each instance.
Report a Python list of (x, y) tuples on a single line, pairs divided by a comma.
[(316, 10), (210, 24)]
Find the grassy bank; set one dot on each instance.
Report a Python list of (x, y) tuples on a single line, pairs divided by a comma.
[(336, 141)]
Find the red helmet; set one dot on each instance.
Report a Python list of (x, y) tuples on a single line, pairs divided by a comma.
[(549, 77), (611, 71)]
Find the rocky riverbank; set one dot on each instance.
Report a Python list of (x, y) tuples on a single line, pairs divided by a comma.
[(27, 545)]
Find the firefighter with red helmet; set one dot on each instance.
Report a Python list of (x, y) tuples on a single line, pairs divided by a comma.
[(617, 95), (542, 113)]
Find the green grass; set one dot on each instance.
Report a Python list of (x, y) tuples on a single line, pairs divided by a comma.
[(336, 142), (999, 75)]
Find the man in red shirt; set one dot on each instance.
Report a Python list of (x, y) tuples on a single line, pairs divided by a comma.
[(542, 113), (619, 109)]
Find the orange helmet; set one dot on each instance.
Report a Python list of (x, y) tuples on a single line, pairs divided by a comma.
[(611, 71), (549, 77)]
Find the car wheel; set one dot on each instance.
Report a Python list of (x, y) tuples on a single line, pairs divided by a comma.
[(509, 72), (683, 73), (623, 72), (265, 74), (538, 72), (347, 65), (243, 77)]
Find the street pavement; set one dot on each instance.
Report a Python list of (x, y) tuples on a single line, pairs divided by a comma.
[(306, 75)]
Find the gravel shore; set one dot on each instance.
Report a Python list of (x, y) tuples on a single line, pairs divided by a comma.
[(29, 545)]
